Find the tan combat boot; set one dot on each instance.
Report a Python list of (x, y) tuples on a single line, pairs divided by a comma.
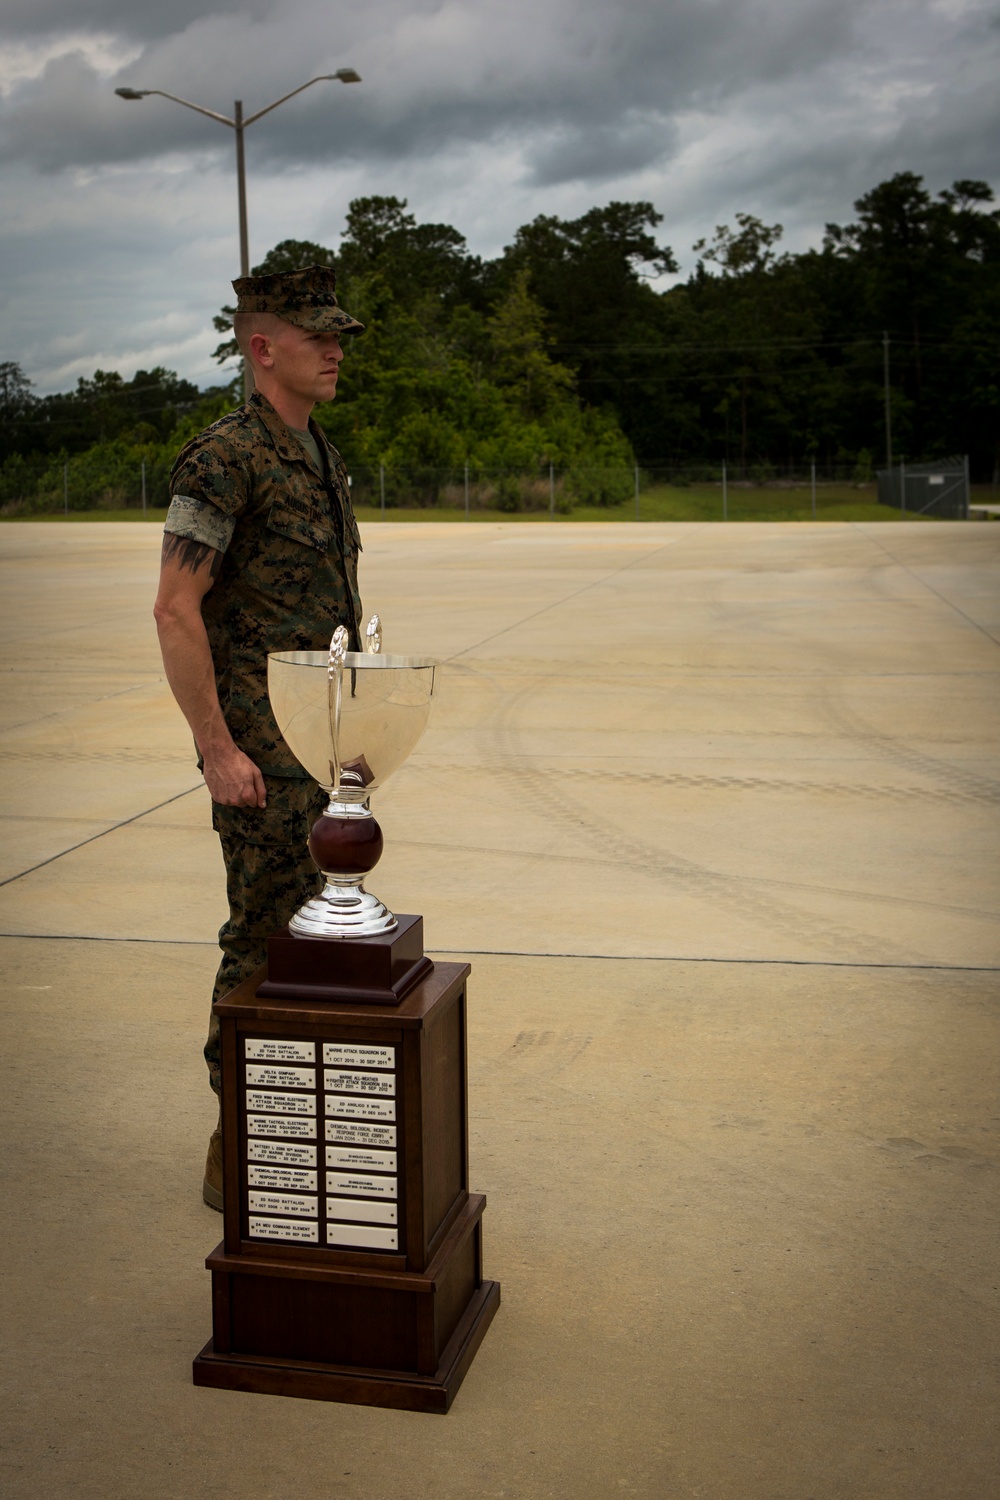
[(211, 1188)]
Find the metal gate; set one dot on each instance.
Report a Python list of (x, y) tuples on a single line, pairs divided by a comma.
[(935, 489)]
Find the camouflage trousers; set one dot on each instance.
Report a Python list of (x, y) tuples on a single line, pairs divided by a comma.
[(269, 873)]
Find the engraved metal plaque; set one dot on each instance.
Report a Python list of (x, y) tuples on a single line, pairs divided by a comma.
[(278, 1203), (360, 1134), (349, 1055), (290, 1179), (283, 1229), (269, 1125), (361, 1109), (289, 1104), (269, 1076), (358, 1083), (362, 1236), (281, 1153), (351, 1182), (276, 1049), (360, 1160)]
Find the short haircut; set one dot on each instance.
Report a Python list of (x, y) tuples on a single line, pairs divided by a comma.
[(246, 324)]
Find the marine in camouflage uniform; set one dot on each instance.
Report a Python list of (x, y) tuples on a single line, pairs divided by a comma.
[(276, 508)]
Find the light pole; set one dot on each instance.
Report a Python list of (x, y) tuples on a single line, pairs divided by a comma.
[(239, 125), (888, 400)]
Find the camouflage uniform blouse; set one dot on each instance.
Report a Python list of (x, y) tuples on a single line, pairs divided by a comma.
[(289, 573)]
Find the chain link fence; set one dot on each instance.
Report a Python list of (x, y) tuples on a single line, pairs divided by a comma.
[(559, 490), (939, 489), (109, 480), (118, 480)]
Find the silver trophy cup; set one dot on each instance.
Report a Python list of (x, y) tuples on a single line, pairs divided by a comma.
[(351, 718)]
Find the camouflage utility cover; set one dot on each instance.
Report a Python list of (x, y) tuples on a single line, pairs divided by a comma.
[(307, 298), (289, 575)]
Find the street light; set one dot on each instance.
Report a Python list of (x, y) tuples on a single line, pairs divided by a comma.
[(239, 124)]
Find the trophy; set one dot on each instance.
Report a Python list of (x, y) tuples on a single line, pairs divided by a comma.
[(351, 1263), (351, 718)]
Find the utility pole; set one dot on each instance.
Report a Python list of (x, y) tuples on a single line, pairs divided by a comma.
[(888, 399)]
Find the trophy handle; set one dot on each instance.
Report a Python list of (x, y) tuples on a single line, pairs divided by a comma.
[(373, 636), (335, 672)]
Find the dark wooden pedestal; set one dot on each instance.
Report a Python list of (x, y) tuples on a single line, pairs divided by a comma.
[(377, 971), (351, 1267)]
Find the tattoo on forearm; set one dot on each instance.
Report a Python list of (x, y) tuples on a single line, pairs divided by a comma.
[(190, 555)]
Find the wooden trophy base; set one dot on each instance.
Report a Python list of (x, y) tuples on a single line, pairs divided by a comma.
[(323, 1382), (357, 1337), (368, 971), (351, 1267)]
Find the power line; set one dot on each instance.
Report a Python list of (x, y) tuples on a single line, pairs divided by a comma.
[(671, 347), (84, 415)]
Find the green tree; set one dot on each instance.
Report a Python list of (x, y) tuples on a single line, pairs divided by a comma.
[(592, 277), (519, 345), (435, 385), (17, 405), (105, 406), (921, 268), (745, 251), (753, 320)]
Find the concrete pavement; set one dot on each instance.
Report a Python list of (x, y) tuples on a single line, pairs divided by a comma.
[(713, 811)]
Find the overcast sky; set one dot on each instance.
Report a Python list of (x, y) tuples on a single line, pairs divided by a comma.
[(119, 233)]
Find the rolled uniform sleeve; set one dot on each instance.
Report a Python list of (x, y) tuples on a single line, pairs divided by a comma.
[(209, 488), (200, 522)]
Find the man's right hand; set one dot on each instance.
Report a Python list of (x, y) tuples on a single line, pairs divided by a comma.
[(187, 571), (233, 780)]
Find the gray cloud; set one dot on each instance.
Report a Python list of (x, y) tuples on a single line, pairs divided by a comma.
[(434, 74), (605, 151), (483, 113), (131, 18)]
